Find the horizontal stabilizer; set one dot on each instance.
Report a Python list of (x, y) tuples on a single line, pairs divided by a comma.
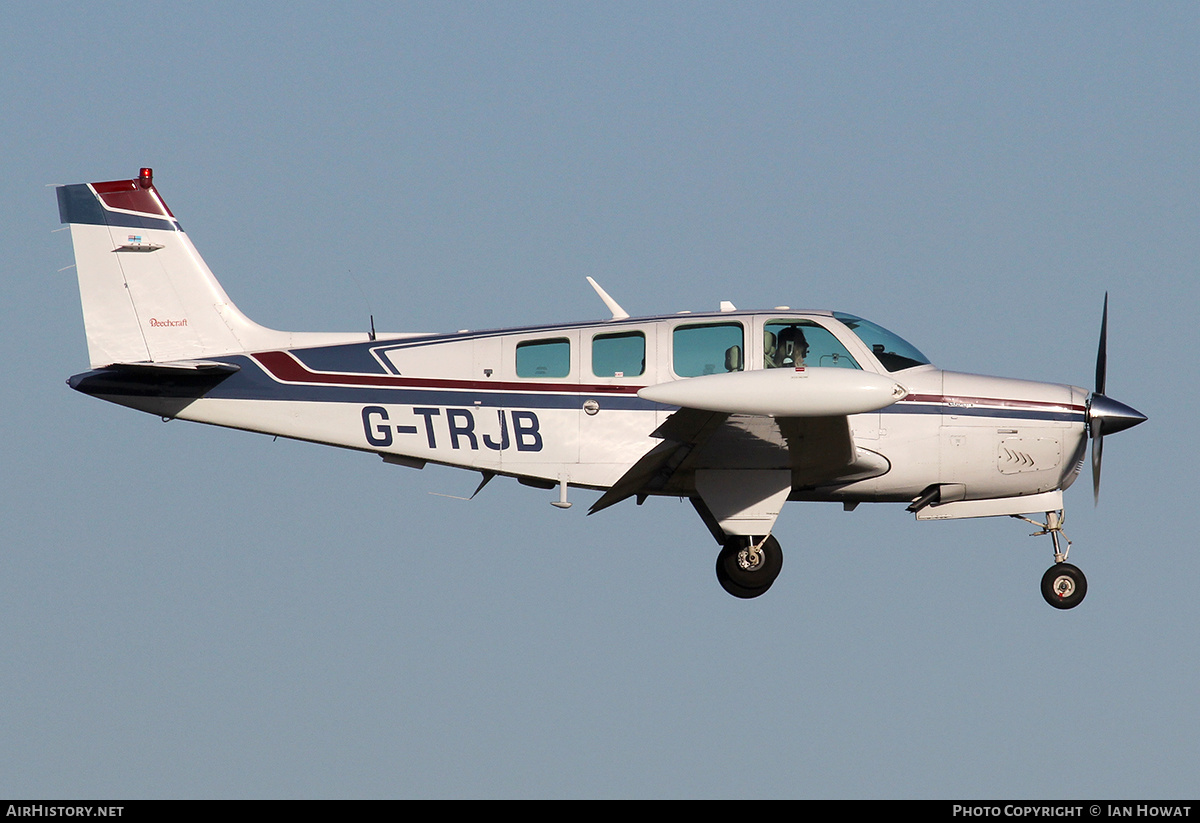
[(810, 392), (181, 366), (158, 388)]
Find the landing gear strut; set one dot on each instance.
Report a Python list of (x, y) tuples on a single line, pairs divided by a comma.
[(1063, 585), (747, 566)]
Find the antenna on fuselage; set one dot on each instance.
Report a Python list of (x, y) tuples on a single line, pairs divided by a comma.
[(370, 314), (618, 313)]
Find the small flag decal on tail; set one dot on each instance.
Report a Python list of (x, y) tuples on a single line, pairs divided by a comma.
[(135, 242)]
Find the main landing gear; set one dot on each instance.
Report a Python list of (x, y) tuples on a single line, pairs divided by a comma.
[(747, 566), (1063, 585)]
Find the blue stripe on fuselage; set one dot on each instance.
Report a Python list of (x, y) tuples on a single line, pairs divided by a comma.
[(252, 382)]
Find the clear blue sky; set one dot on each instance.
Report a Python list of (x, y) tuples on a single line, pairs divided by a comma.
[(195, 612)]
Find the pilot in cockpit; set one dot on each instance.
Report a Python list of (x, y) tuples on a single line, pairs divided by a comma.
[(790, 349)]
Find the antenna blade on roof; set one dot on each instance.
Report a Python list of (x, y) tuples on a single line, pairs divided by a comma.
[(618, 313)]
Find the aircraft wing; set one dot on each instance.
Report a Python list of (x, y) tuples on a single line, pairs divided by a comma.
[(782, 429), (815, 451)]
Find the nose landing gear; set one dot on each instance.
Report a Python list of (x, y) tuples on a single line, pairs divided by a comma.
[(1063, 585)]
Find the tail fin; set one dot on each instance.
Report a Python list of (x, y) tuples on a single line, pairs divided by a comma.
[(147, 294)]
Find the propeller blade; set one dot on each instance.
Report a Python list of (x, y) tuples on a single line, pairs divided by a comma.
[(1105, 415), (1095, 428), (1102, 352)]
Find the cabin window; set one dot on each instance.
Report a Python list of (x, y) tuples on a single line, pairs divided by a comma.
[(792, 343), (544, 358), (619, 355), (709, 349)]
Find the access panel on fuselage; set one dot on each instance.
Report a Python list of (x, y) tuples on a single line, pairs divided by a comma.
[(1003, 437)]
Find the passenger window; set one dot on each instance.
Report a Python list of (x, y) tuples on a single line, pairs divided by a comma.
[(619, 355), (709, 349), (544, 358), (792, 343)]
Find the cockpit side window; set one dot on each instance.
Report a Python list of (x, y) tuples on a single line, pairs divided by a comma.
[(892, 351), (796, 343)]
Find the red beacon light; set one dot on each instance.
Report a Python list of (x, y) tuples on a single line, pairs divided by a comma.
[(146, 178)]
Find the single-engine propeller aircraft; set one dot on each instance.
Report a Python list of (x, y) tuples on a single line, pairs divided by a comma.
[(738, 411)]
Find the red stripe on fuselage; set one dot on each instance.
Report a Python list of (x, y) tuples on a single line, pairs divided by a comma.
[(283, 366), (286, 368)]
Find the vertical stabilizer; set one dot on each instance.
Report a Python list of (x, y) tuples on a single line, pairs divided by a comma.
[(147, 295)]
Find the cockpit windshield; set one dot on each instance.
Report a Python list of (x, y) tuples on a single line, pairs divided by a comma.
[(893, 352)]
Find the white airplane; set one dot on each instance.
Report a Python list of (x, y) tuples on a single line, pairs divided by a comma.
[(738, 411)]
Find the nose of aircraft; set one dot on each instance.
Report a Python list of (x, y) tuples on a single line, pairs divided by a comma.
[(1108, 416)]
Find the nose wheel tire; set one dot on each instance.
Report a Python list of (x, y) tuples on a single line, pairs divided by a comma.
[(747, 567), (1064, 586)]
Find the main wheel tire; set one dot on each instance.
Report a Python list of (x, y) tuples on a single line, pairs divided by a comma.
[(738, 572), (1064, 586), (733, 588)]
